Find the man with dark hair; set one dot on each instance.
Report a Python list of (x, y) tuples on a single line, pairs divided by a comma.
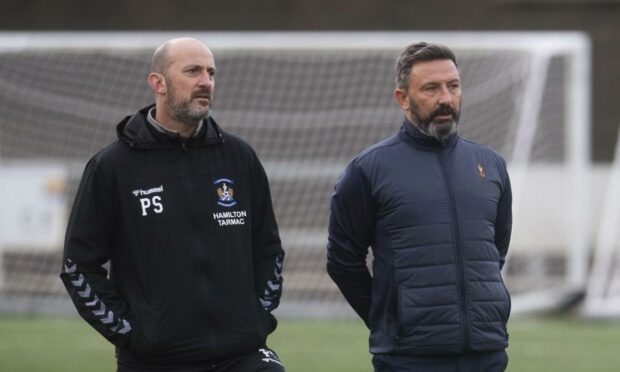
[(436, 211), (182, 211)]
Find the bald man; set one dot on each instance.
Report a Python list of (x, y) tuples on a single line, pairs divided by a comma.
[(182, 211)]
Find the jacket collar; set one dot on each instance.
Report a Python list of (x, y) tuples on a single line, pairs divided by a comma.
[(410, 133), (150, 117), (135, 131)]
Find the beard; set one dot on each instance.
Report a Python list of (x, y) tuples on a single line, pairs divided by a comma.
[(440, 130), (183, 111)]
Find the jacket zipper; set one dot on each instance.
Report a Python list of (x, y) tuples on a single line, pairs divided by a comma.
[(460, 264), (197, 254)]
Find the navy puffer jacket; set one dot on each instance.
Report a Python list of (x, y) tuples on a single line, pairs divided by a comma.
[(438, 219)]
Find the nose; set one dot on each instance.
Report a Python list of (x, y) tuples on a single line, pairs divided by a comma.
[(445, 97), (206, 80)]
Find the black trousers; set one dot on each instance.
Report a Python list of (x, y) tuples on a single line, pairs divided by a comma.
[(262, 360), (494, 361)]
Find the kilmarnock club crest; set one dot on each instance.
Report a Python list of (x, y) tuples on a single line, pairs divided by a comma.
[(225, 192)]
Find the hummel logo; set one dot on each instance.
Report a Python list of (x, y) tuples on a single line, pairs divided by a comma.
[(147, 192), (150, 202)]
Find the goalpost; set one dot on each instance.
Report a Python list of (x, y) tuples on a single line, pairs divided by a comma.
[(308, 102), (603, 294)]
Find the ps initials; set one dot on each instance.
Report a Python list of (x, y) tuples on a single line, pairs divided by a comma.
[(154, 202)]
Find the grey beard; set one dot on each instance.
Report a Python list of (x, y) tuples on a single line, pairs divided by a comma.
[(432, 130), (184, 114)]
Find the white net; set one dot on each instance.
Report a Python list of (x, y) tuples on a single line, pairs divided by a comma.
[(307, 103)]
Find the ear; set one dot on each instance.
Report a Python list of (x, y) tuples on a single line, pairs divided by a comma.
[(400, 95), (157, 82)]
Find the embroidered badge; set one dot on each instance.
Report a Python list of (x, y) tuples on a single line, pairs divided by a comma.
[(148, 201), (481, 171), (225, 192)]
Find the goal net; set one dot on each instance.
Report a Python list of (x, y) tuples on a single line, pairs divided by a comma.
[(307, 102)]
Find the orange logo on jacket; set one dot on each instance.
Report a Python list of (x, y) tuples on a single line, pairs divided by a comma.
[(481, 171)]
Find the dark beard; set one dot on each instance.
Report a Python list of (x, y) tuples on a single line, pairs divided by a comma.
[(439, 130)]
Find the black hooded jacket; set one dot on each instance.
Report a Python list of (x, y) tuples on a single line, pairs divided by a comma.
[(194, 250)]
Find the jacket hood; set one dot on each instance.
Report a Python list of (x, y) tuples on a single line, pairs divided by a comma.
[(135, 131)]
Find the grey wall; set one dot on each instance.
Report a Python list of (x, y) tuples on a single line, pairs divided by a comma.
[(599, 18)]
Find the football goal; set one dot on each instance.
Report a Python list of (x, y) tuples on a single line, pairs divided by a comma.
[(307, 102), (603, 293)]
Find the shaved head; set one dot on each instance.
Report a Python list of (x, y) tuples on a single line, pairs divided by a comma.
[(161, 58), (160, 63), (183, 79)]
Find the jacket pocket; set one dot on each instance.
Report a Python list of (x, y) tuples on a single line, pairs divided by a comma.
[(508, 304), (399, 313), (267, 321), (145, 333), (137, 343), (428, 315)]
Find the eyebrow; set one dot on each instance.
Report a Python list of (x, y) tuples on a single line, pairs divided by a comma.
[(435, 82), (194, 65)]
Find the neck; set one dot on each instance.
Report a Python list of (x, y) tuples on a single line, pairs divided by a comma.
[(183, 129)]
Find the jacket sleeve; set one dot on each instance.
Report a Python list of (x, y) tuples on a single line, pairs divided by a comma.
[(268, 254), (503, 221), (88, 245), (351, 227)]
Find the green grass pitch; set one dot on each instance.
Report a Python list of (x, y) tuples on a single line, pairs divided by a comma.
[(536, 345)]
